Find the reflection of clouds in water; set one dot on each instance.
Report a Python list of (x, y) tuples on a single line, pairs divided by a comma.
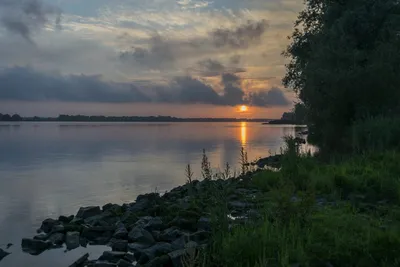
[(47, 170)]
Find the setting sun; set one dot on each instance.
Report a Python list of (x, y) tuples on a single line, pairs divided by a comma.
[(243, 108)]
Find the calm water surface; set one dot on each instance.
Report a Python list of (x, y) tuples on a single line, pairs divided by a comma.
[(52, 169)]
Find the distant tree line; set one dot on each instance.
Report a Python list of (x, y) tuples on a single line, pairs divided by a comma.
[(84, 118), (147, 119), (8, 117)]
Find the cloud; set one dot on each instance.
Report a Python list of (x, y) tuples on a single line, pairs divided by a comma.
[(24, 17), (212, 68), (27, 84), (241, 37), (233, 94), (235, 59), (164, 52), (24, 83), (272, 97)]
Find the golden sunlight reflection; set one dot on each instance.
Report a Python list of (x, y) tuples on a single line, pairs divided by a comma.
[(243, 133)]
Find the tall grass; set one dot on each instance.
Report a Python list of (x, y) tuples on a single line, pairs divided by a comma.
[(375, 134)]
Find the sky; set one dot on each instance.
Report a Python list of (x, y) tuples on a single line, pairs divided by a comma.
[(185, 58)]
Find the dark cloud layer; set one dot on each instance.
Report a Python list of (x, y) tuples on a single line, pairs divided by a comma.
[(23, 83), (164, 52), (24, 17), (212, 68)]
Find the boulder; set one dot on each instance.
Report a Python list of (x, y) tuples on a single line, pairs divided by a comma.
[(154, 224), (103, 264), (119, 244), (56, 239), (121, 232), (86, 212), (41, 236), (170, 234), (112, 256), (83, 242), (65, 219), (124, 263), (183, 223), (72, 240), (135, 247), (141, 235), (3, 254), (81, 261), (152, 252), (47, 225), (93, 233), (33, 246)]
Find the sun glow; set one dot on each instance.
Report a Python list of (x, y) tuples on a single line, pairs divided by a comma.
[(243, 108)]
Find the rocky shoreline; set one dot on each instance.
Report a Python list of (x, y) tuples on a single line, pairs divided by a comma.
[(155, 230)]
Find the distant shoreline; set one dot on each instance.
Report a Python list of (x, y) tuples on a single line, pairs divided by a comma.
[(82, 118)]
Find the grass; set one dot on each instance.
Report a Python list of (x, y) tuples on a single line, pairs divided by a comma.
[(344, 212)]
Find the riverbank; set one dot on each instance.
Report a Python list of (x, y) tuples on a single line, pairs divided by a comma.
[(308, 214)]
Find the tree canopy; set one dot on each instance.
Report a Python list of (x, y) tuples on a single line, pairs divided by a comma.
[(345, 64)]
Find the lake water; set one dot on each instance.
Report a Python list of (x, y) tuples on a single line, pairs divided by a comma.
[(52, 169)]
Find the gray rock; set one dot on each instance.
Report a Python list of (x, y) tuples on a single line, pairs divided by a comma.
[(33, 246), (72, 240), (65, 219), (86, 212), (56, 239), (124, 263), (81, 261), (141, 235), (112, 256), (58, 228), (83, 242), (135, 247), (47, 225), (121, 232), (41, 236), (3, 254), (119, 244), (104, 264), (129, 257), (9, 245), (170, 234), (204, 223), (94, 233), (157, 250), (154, 224)]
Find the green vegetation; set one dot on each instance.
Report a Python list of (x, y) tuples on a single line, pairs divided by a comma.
[(313, 213)]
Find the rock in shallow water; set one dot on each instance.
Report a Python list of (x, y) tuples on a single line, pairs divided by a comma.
[(86, 212), (72, 240), (124, 263), (33, 246), (48, 224), (3, 254), (81, 261), (112, 256), (56, 239)]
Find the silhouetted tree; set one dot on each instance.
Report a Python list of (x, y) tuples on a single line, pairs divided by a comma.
[(345, 65)]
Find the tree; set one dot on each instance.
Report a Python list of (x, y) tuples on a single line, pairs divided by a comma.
[(345, 64), (16, 117)]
